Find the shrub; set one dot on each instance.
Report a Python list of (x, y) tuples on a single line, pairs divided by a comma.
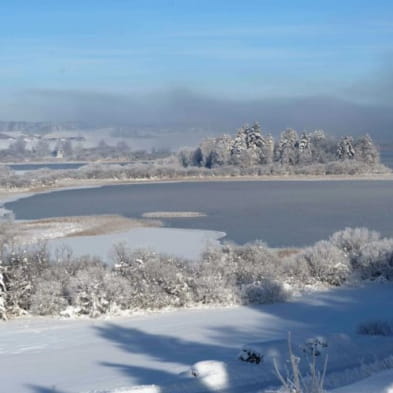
[(30, 282), (376, 328), (95, 289), (264, 291), (351, 240), (375, 259), (324, 262), (156, 280), (48, 298)]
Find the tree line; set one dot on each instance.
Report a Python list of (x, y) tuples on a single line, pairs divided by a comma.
[(251, 147)]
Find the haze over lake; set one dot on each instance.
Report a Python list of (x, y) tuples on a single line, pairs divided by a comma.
[(281, 213)]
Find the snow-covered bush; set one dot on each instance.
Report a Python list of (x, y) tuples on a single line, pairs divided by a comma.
[(375, 260), (20, 268), (239, 274), (264, 291), (155, 280), (376, 328), (351, 240), (7, 235), (91, 289), (324, 262), (32, 282), (48, 298)]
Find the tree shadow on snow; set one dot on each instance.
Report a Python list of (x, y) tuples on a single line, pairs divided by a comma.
[(153, 353), (44, 389), (167, 350), (164, 349)]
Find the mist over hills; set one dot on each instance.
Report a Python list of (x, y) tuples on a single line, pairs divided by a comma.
[(183, 110)]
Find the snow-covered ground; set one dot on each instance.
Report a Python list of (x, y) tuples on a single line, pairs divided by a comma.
[(183, 243), (379, 383), (71, 356)]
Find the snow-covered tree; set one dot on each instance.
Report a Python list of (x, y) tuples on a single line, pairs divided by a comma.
[(239, 148), (186, 157), (304, 149), (253, 135), (221, 152), (323, 149), (213, 152), (287, 147), (3, 309), (18, 147), (267, 150), (251, 147), (345, 149), (366, 150), (42, 148)]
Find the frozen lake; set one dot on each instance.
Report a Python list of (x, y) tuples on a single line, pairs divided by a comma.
[(281, 213)]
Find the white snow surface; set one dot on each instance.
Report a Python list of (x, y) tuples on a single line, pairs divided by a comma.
[(379, 383), (183, 243), (154, 353)]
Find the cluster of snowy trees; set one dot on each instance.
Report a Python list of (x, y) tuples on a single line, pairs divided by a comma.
[(31, 281), (252, 147)]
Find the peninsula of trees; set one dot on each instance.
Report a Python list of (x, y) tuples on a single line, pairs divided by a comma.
[(251, 147), (249, 153)]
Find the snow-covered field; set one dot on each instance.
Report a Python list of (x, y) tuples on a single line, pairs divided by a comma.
[(71, 356), (379, 383)]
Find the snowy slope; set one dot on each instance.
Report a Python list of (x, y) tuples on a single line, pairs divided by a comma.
[(85, 355), (379, 383)]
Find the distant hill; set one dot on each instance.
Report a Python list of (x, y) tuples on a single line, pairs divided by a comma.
[(39, 127)]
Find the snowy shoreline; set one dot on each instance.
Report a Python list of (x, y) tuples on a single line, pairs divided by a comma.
[(7, 195), (137, 234)]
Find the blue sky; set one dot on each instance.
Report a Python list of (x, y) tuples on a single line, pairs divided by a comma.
[(209, 62), (240, 49)]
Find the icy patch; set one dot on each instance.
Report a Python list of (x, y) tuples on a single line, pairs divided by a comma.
[(182, 243), (173, 214), (138, 389)]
